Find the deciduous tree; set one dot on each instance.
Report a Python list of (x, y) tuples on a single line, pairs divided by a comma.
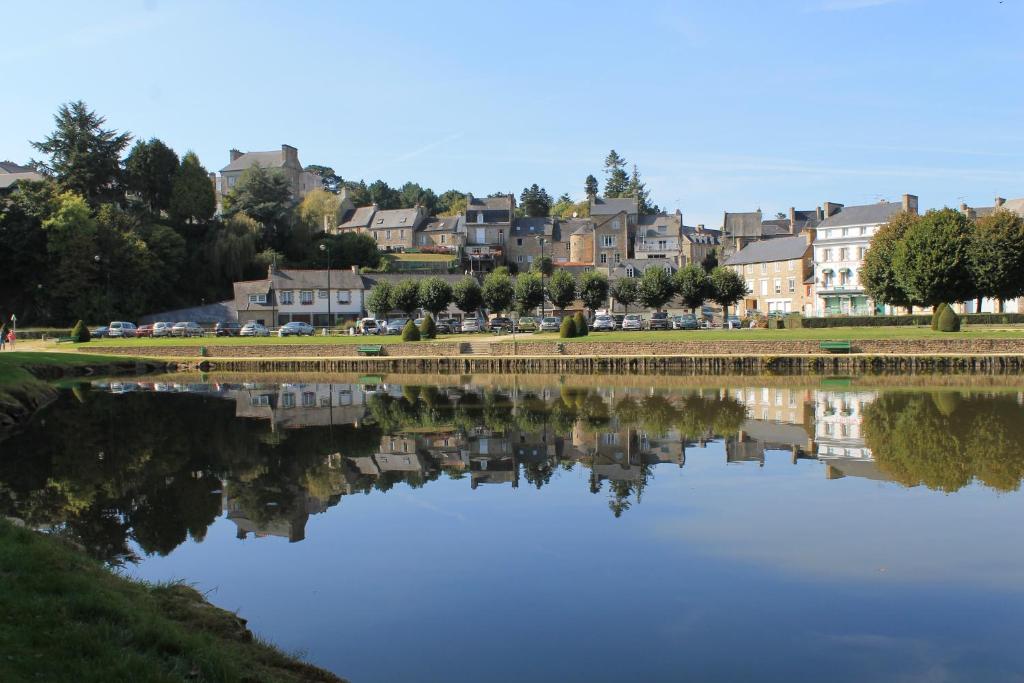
[(150, 171), (380, 300), (727, 288), (467, 295), (879, 273), (498, 292), (561, 289), (529, 292), (625, 291), (693, 285), (932, 261), (656, 288), (997, 256), (593, 290), (435, 295), (406, 297)]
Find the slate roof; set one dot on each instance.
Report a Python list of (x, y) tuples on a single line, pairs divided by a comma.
[(8, 179), (701, 236), (447, 224), (397, 218), (11, 167), (672, 222), (526, 227), (742, 224), (775, 227), (599, 206), (866, 214), (766, 251), (578, 226), (370, 279), (316, 279), (805, 219), (360, 218), (500, 203), (640, 265), (273, 159)]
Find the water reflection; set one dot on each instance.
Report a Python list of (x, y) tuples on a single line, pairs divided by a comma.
[(157, 463)]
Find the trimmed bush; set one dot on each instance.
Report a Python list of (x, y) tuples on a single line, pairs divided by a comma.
[(568, 328), (80, 333), (428, 328), (793, 321), (936, 313), (410, 333), (949, 321), (581, 325)]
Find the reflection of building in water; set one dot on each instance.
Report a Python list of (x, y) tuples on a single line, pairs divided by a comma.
[(291, 526), (839, 419), (778, 420), (491, 460), (778, 404), (293, 406)]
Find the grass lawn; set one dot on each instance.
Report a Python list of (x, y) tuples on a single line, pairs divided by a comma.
[(12, 363), (839, 333), (65, 617), (98, 344)]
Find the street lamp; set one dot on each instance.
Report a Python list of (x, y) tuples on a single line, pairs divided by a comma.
[(540, 240), (99, 259), (324, 247)]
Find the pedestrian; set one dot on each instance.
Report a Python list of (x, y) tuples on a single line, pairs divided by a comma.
[(3, 334), (10, 339)]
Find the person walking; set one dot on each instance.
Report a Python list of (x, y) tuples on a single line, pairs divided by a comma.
[(11, 339)]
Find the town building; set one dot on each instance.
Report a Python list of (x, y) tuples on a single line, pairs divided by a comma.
[(741, 228), (660, 237), (292, 295), (843, 238), (488, 224), (697, 244), (974, 213), (285, 161), (11, 174), (775, 271), (533, 238), (394, 229), (442, 234)]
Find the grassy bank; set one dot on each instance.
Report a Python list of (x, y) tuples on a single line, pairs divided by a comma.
[(65, 617)]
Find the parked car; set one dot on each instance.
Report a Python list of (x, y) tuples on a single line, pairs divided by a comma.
[(658, 321), (527, 324), (121, 329), (296, 329), (733, 323), (470, 325), (454, 326), (396, 325), (618, 318), (550, 324), (100, 332), (687, 321), (162, 329), (253, 329), (368, 326), (228, 329), (443, 327), (632, 322), (144, 331), (603, 323), (500, 325), (187, 329)]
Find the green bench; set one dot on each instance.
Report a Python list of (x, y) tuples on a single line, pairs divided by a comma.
[(836, 346), (371, 350)]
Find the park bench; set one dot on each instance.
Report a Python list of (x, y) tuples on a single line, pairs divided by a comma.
[(63, 340), (370, 350), (836, 346)]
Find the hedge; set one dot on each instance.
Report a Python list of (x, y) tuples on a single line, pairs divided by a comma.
[(923, 319), (40, 332)]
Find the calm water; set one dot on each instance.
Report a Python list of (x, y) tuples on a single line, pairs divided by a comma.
[(556, 533)]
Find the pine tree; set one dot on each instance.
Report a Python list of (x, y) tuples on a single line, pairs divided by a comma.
[(616, 183), (193, 199), (637, 188), (149, 171), (590, 187)]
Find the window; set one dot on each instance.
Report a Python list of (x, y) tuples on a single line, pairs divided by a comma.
[(618, 257), (792, 265), (521, 259), (231, 181), (764, 268), (604, 258), (344, 296), (442, 238), (861, 251), (846, 232), (308, 399), (778, 266), (387, 234), (778, 286), (306, 297), (615, 224), (401, 234), (750, 269), (791, 285), (607, 240), (519, 241), (764, 287), (321, 294), (286, 298), (257, 298), (262, 400), (288, 400), (826, 254), (479, 217), (630, 272), (750, 286), (864, 230), (844, 254)]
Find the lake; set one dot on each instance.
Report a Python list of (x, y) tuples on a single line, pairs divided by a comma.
[(560, 529)]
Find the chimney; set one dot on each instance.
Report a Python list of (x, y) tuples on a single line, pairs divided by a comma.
[(999, 202), (910, 203), (809, 234), (831, 209), (289, 154), (819, 214), (234, 154), (792, 219), (355, 269), (700, 227)]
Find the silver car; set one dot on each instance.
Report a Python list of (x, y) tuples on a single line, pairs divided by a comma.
[(121, 329), (550, 324), (186, 329), (253, 329), (632, 321), (395, 326), (604, 323), (470, 325)]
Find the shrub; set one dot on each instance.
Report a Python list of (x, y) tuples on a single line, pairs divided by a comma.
[(428, 328), (936, 313), (949, 321), (80, 333), (793, 321), (568, 329), (410, 333), (581, 325)]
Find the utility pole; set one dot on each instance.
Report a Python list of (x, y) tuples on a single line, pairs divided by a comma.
[(325, 247)]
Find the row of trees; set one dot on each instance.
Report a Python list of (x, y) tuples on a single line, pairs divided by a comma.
[(526, 292), (943, 257)]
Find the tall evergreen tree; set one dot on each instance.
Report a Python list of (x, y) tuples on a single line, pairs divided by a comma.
[(193, 199), (85, 158), (150, 171), (616, 183), (535, 201), (330, 180), (637, 188), (590, 187)]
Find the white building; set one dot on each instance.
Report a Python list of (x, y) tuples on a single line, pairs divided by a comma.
[(843, 238), (660, 237), (311, 296)]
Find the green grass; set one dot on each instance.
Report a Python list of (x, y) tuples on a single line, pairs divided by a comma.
[(99, 344), (65, 617), (840, 333)]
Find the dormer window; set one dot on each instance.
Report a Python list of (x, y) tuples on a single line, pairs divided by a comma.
[(479, 216), (402, 219), (380, 221)]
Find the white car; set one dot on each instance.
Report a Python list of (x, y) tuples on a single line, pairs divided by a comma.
[(121, 329), (632, 321), (186, 329), (550, 324), (603, 322), (162, 329), (253, 329), (470, 325)]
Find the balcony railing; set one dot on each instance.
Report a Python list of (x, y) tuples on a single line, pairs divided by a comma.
[(840, 289)]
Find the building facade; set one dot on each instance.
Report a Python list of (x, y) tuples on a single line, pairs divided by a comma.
[(775, 271), (285, 161)]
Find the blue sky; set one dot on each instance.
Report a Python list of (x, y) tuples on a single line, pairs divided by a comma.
[(724, 106)]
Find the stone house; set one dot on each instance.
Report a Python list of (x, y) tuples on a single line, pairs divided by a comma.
[(532, 238), (659, 237), (447, 234), (356, 219), (611, 239), (394, 229), (775, 271), (580, 232), (488, 223), (293, 295), (697, 243), (601, 208), (286, 161)]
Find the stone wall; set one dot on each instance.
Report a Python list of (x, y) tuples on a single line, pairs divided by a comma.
[(779, 347), (421, 350)]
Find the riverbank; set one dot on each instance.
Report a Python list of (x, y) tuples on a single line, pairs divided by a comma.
[(25, 378), (65, 617)]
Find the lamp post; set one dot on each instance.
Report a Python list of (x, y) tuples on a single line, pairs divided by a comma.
[(324, 247), (99, 260), (543, 290)]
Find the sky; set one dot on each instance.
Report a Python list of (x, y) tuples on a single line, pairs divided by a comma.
[(725, 106)]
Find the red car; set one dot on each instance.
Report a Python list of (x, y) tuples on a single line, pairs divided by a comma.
[(144, 331)]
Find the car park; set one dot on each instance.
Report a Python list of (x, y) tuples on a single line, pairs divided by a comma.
[(253, 329), (499, 324), (658, 321), (296, 329), (121, 329), (100, 332), (733, 322), (687, 321), (162, 329), (227, 329), (618, 318), (396, 325), (144, 331), (470, 325), (527, 324), (187, 329), (368, 326), (550, 324), (603, 323), (452, 325), (632, 322), (443, 327)]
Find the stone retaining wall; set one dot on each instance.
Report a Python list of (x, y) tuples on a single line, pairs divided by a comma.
[(428, 350), (780, 347)]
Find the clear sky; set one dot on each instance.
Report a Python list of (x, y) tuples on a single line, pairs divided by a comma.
[(730, 105)]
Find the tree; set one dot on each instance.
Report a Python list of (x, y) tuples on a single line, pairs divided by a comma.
[(693, 286), (932, 261), (637, 188), (410, 333), (529, 292), (435, 295), (498, 292), (616, 183), (317, 206), (85, 158), (73, 271), (467, 295), (727, 288), (997, 256), (428, 328), (412, 195), (262, 194), (561, 289), (656, 288), (593, 290), (625, 291), (380, 301), (149, 172), (710, 261), (581, 324), (451, 203), (383, 195), (330, 180), (192, 195), (564, 207), (406, 297), (879, 273), (590, 187), (535, 201), (567, 330), (543, 265)]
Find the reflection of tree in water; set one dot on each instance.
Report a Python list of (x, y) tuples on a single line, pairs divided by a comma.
[(944, 440)]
